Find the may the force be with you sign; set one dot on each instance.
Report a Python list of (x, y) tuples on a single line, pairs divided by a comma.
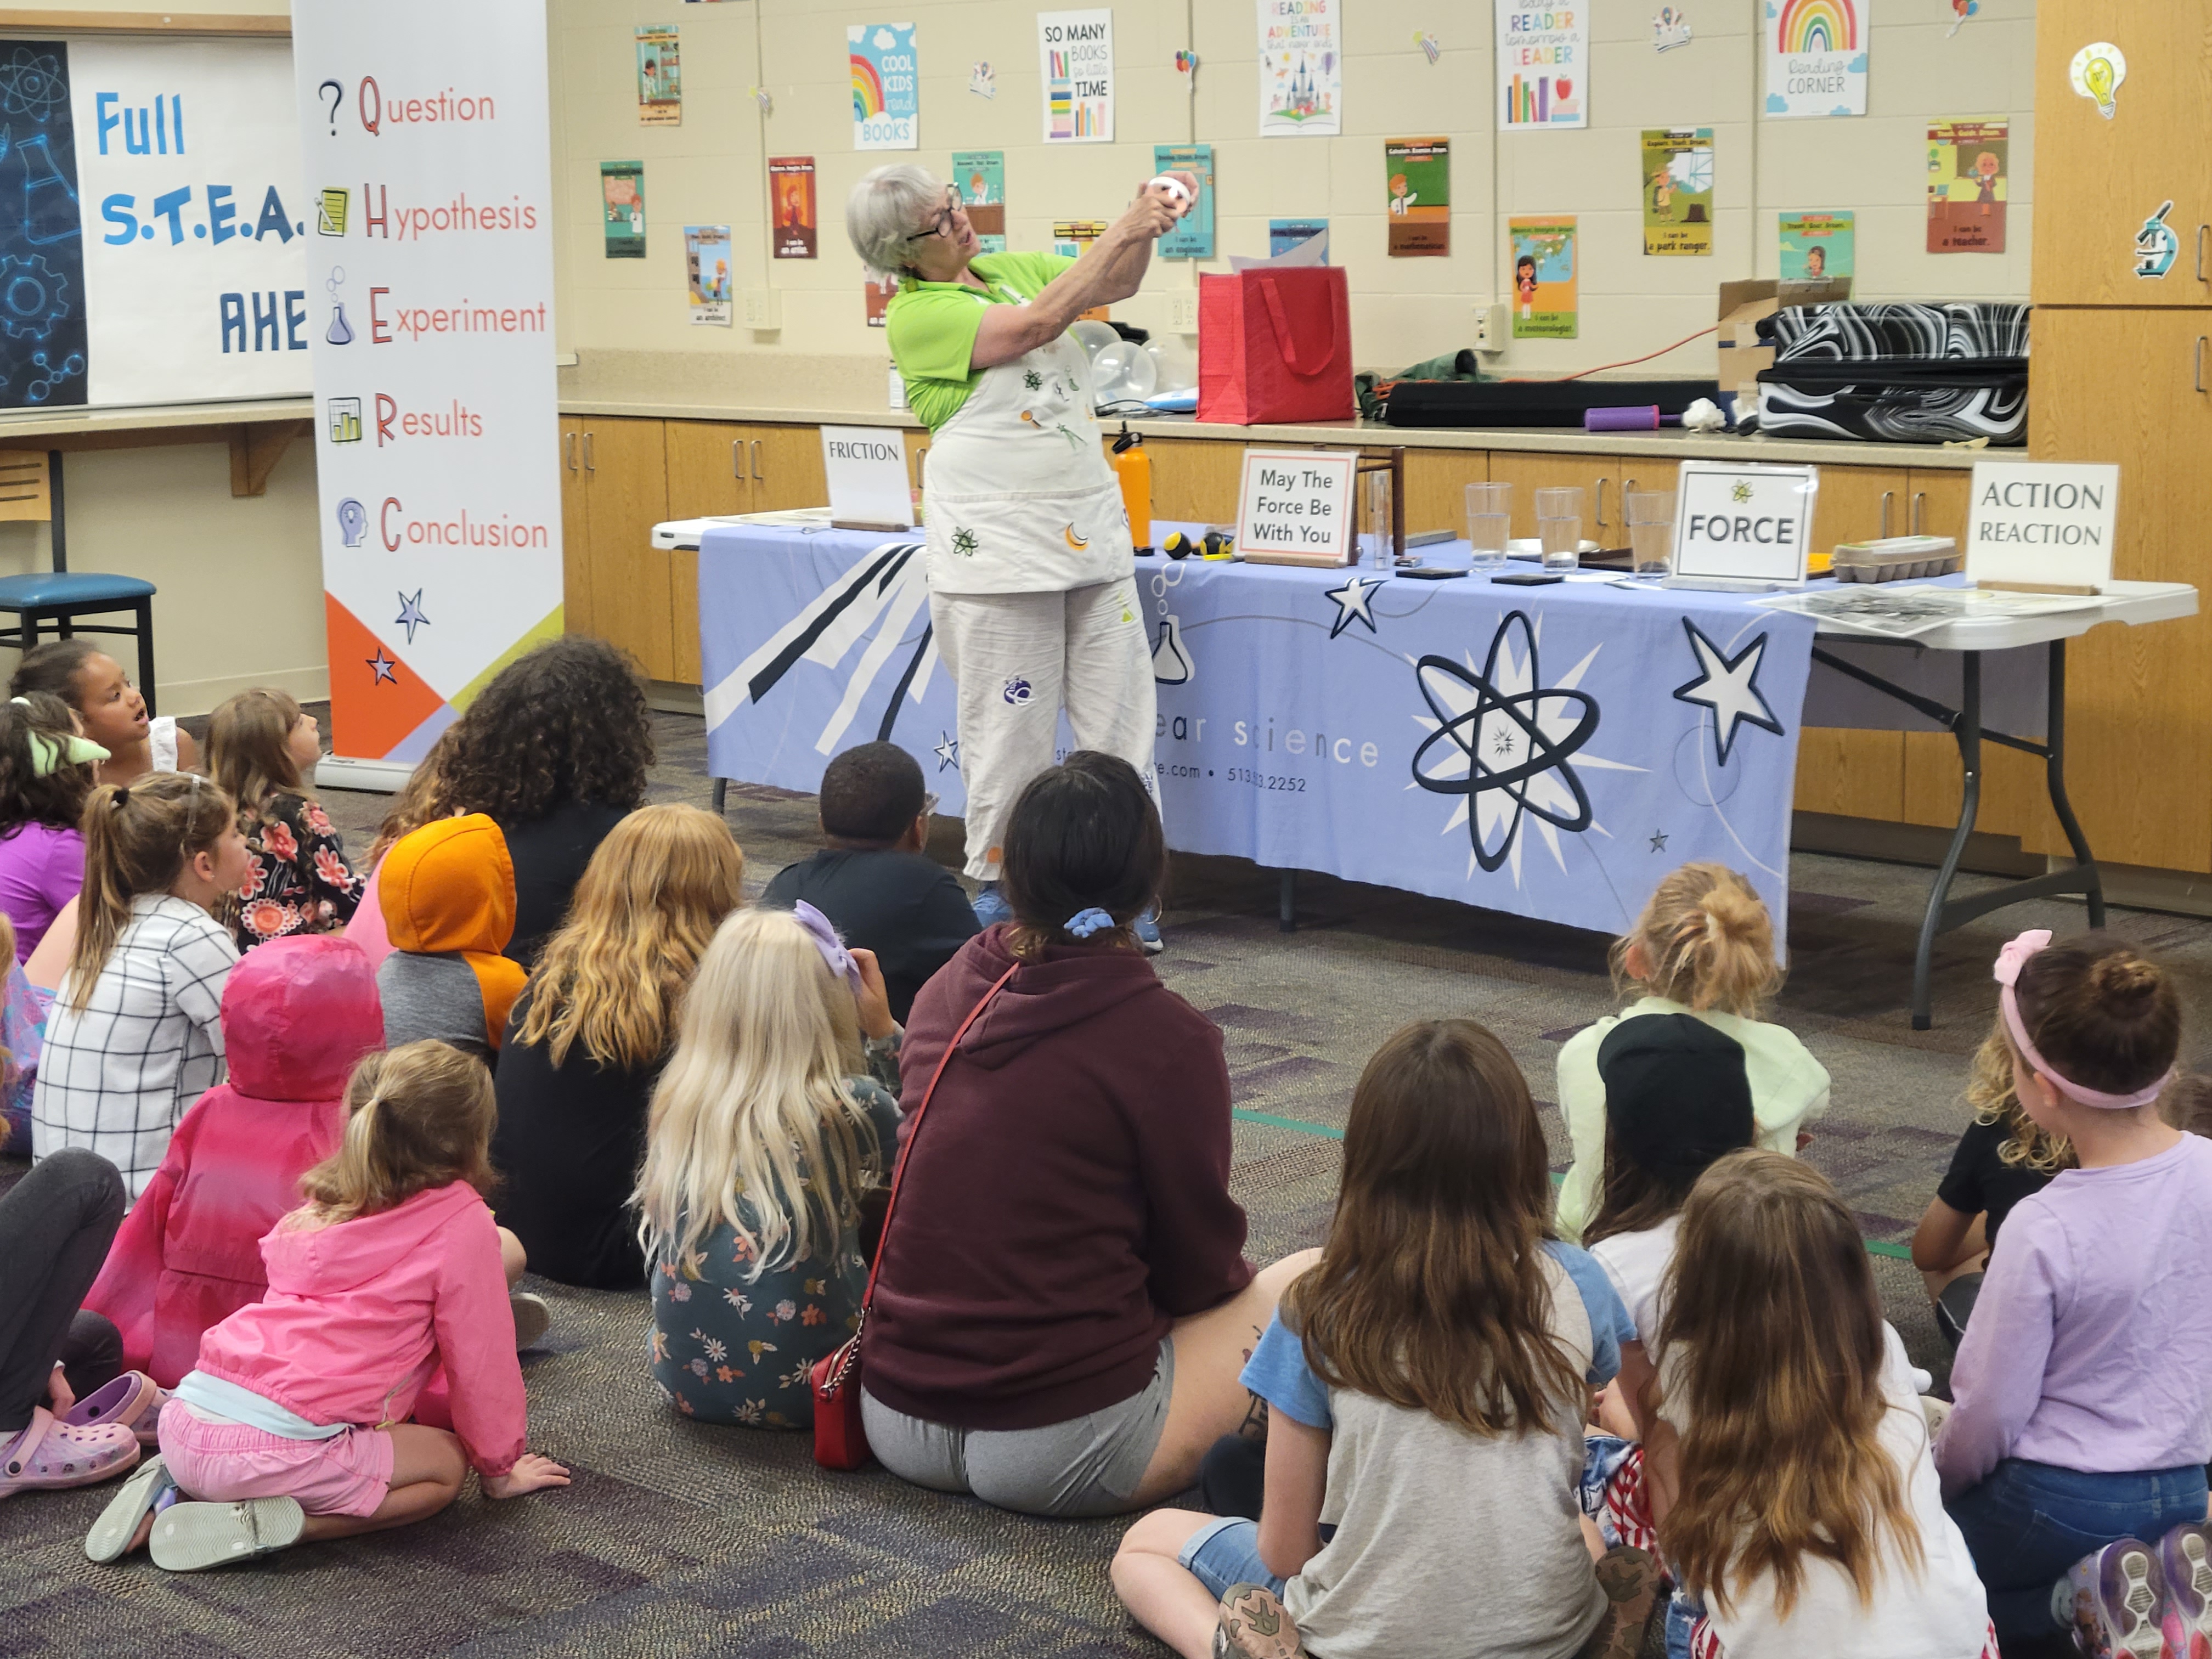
[(1296, 507)]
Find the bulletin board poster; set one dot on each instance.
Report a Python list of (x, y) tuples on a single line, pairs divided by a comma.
[(1192, 239), (1301, 67), (1816, 245), (1295, 235), (659, 77), (1966, 186), (1075, 58), (877, 297), (979, 176), (1816, 56), (622, 202), (154, 225), (441, 521), (1677, 190), (1544, 280), (790, 201), (1543, 65), (886, 86), (707, 267), (1417, 182), (1070, 236)]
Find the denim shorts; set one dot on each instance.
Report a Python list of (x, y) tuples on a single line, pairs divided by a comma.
[(1226, 1552)]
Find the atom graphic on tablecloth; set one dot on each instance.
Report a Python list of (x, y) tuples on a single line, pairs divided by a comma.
[(1509, 746)]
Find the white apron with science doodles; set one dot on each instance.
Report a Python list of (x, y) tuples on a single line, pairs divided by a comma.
[(1019, 498)]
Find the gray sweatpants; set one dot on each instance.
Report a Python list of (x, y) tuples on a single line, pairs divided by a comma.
[(1016, 658)]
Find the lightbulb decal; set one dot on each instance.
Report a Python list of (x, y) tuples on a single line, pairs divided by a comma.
[(2096, 72)]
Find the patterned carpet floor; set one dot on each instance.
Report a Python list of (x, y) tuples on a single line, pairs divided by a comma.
[(684, 1540)]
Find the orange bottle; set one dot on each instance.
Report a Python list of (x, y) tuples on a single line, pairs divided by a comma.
[(1134, 468)]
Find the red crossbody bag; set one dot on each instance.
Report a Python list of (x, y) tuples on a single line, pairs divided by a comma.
[(840, 1440)]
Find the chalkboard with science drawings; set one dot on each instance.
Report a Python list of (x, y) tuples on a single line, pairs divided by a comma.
[(154, 224)]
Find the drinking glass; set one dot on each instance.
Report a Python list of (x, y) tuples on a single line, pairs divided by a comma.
[(1559, 527), (1378, 548), (1650, 530), (1489, 523)]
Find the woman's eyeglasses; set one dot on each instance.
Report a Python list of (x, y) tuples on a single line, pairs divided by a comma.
[(942, 224)]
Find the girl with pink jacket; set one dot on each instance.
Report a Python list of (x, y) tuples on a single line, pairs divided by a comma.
[(294, 1427)]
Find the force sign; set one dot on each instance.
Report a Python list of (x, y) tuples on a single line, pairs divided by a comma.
[(1296, 507), (1739, 523)]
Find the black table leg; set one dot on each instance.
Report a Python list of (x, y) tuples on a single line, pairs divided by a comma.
[(145, 610), (2054, 772), (1968, 732), (1286, 912), (721, 792)]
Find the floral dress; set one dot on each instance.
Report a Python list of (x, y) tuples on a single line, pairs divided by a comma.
[(728, 1348), (297, 880)]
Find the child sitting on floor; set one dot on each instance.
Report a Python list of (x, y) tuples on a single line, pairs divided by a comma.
[(2002, 1157), (769, 1122), (1704, 946), (46, 777), (262, 747), (136, 1033), (415, 804), (448, 896), (297, 1014), (1425, 1384), (1787, 1464), (293, 1427), (112, 710), (2073, 1459)]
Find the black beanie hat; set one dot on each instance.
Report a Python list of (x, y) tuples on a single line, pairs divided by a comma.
[(1676, 1096)]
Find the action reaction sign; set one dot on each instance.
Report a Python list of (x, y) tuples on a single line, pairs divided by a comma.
[(2042, 525), (1296, 507), (1744, 523)]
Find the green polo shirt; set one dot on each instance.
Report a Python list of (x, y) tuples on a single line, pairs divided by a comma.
[(933, 327)]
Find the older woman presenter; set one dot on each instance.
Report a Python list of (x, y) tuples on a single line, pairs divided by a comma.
[(1032, 591)]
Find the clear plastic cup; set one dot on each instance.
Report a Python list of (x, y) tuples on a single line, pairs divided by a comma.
[(1489, 523), (1650, 531), (1559, 527)]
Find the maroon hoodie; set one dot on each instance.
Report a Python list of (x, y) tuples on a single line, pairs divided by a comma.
[(1067, 1197)]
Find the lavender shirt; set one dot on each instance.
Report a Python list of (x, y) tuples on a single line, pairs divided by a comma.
[(2092, 1340), (41, 868)]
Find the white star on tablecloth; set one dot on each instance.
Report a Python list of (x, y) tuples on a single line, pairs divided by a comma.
[(1351, 601), (1729, 687)]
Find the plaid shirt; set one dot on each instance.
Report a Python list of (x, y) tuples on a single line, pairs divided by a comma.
[(116, 1077)]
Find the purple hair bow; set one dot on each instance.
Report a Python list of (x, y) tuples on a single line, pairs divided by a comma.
[(826, 941)]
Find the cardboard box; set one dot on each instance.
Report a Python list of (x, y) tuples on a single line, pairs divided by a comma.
[(1742, 304)]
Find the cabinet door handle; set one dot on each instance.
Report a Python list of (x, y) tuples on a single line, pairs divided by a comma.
[(2201, 231), (570, 446), (588, 467), (1599, 524), (736, 470), (759, 477), (1888, 496), (2196, 366), (1919, 509)]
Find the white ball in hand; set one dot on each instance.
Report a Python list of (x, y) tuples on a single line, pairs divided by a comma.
[(1173, 188)]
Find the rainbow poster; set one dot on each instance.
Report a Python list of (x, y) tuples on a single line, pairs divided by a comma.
[(886, 86), (1816, 56), (1543, 66)]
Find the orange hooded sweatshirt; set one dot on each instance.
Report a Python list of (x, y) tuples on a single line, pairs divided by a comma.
[(447, 892)]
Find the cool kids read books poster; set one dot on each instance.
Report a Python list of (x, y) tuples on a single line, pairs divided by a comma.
[(886, 86), (1816, 56)]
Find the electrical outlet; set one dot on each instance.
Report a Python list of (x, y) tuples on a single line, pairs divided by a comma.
[(764, 307), (1490, 329), (1183, 311)]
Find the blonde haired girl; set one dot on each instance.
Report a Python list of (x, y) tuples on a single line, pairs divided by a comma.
[(587, 1041), (261, 748), (292, 1427), (136, 1035), (764, 1136), (1704, 946), (1788, 1461)]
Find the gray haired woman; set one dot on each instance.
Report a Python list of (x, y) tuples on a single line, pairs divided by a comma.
[(1032, 591)]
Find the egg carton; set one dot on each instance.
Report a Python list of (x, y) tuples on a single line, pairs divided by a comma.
[(1896, 558)]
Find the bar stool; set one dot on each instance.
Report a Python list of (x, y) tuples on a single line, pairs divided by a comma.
[(56, 600)]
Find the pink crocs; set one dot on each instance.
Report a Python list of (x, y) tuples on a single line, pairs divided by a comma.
[(51, 1455)]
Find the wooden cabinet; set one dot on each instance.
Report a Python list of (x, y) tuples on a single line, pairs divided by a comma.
[(2097, 181), (785, 463), (575, 532), (615, 490), (1195, 479)]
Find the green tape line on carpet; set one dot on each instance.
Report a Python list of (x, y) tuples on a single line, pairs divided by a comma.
[(1874, 1246)]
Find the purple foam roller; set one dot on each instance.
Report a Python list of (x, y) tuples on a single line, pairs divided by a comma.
[(1635, 417)]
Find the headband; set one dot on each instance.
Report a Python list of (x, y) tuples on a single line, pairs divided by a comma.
[(49, 755), (826, 942), (2010, 961)]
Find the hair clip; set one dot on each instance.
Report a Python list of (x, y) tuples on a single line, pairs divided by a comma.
[(122, 795), (49, 755), (1084, 923), (824, 936)]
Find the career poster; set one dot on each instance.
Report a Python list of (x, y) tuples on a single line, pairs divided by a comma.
[(1677, 190), (1966, 186), (1075, 58), (441, 510), (1301, 67), (1543, 277), (790, 198), (1070, 236), (659, 77), (1289, 235), (1192, 238), (1543, 65), (1816, 56), (1417, 182), (979, 176), (1815, 245), (886, 86), (707, 267), (621, 204)]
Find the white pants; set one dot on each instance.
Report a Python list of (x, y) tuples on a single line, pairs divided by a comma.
[(1016, 658)]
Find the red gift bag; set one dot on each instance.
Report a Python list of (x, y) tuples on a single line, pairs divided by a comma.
[(1275, 345)]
